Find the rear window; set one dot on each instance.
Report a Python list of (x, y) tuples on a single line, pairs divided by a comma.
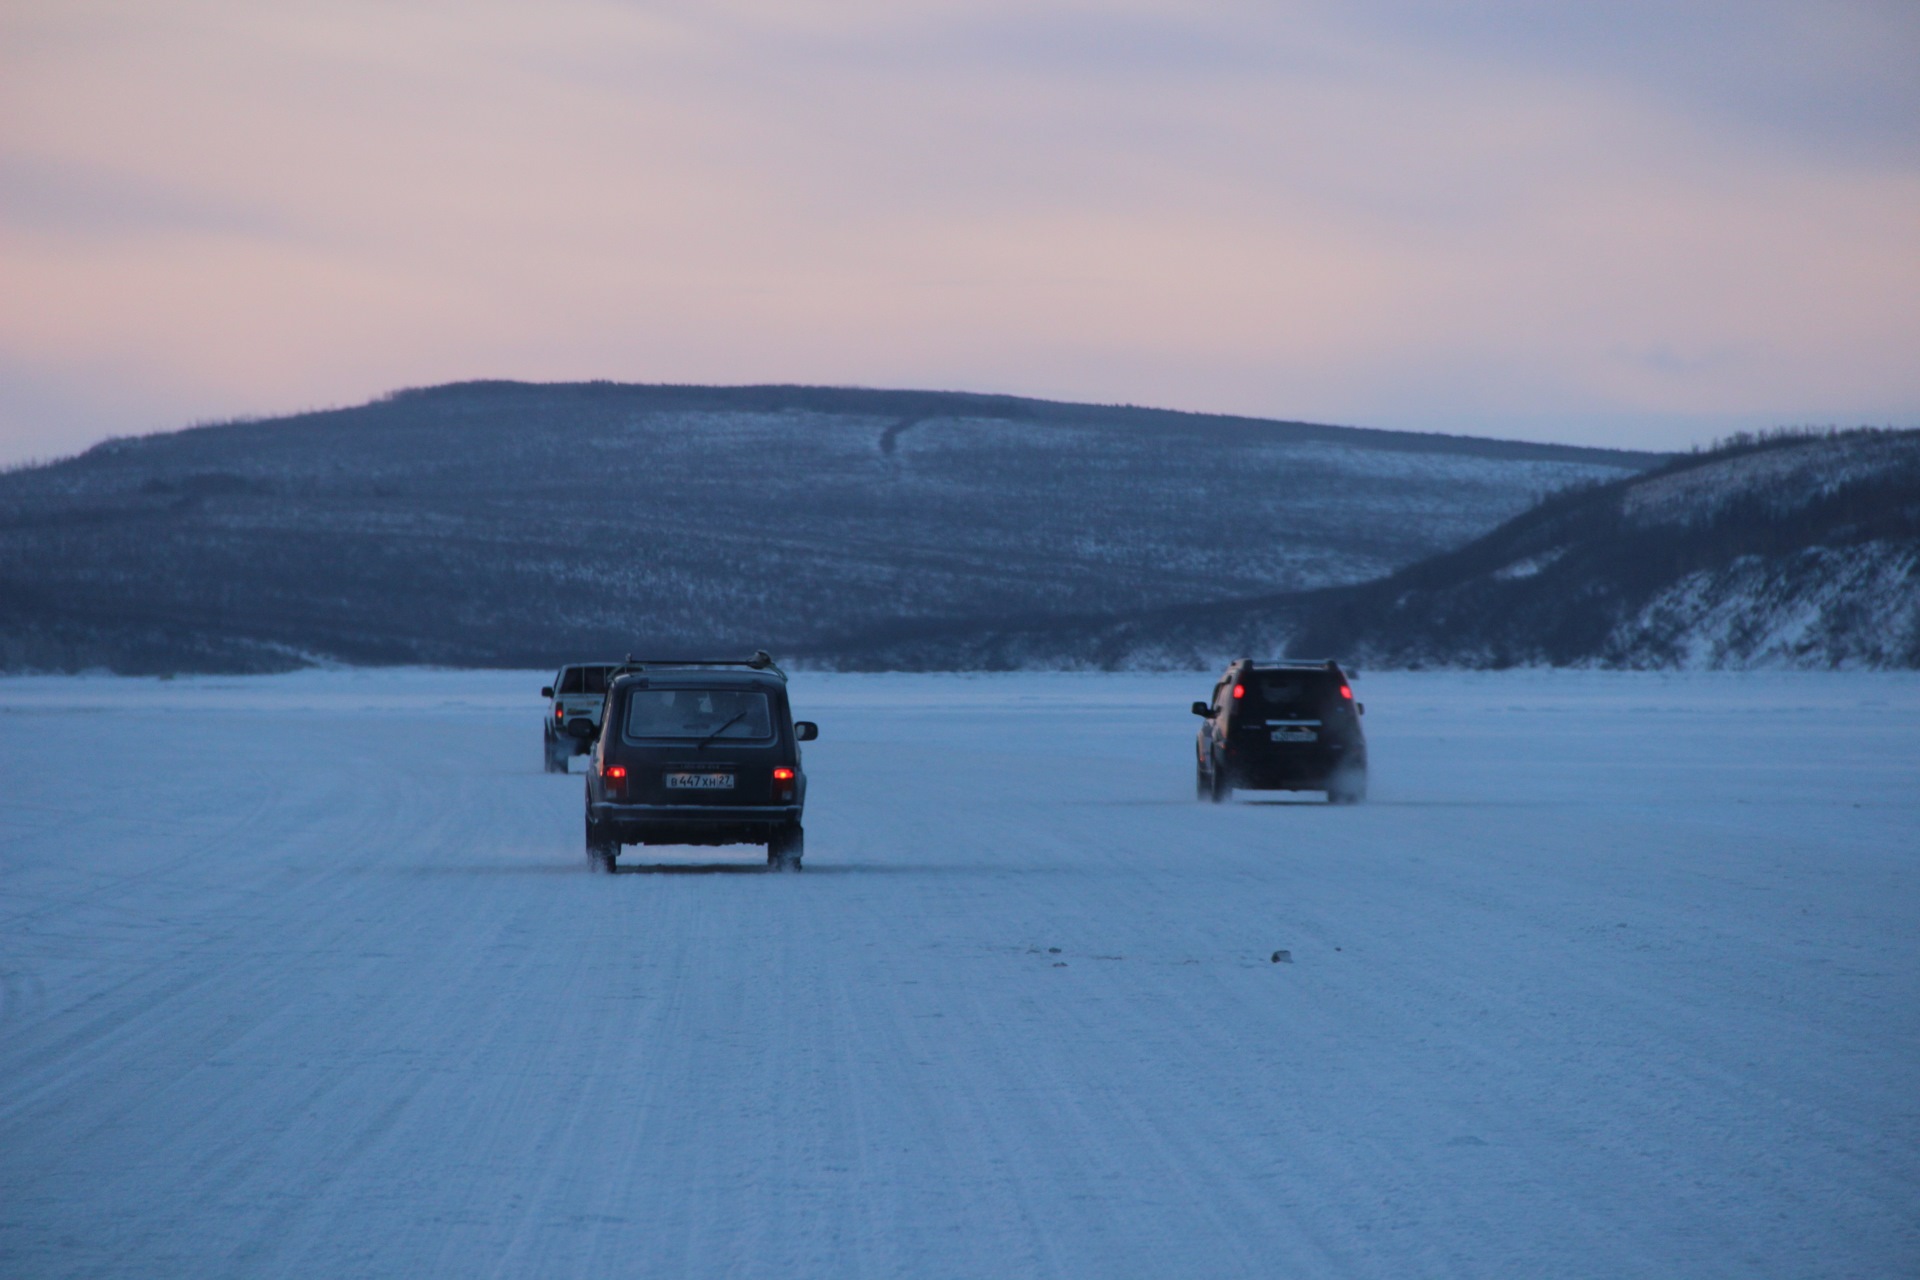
[(725, 715), (583, 680), (1297, 695)]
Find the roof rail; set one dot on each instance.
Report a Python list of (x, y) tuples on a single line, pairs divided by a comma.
[(760, 661), (1325, 664)]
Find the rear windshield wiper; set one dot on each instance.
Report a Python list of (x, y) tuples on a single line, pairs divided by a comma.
[(722, 729)]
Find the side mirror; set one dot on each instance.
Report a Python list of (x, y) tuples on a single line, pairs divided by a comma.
[(805, 730), (583, 729), (546, 691), (1202, 709)]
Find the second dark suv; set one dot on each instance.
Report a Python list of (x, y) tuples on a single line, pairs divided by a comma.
[(1281, 726), (698, 752)]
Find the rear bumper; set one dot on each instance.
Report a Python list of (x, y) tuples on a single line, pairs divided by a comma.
[(693, 824)]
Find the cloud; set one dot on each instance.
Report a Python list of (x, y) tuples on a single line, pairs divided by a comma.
[(1835, 80), (47, 196)]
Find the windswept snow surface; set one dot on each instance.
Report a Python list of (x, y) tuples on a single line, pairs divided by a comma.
[(1617, 975)]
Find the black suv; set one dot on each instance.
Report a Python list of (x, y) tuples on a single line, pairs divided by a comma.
[(698, 752), (1281, 726)]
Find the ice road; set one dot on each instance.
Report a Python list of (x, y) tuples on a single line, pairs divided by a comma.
[(1615, 975)]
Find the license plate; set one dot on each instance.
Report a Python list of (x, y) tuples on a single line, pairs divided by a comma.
[(1295, 735), (700, 781)]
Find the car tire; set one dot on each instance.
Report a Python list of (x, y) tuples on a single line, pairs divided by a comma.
[(1348, 788), (1217, 789), (786, 847), (1202, 789), (556, 762), (603, 851)]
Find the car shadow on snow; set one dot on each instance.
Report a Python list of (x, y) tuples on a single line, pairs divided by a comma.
[(835, 869), (742, 868), (1276, 802), (936, 869), (693, 869), (1464, 804)]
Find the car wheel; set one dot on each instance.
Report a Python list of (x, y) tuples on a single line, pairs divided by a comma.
[(556, 762), (1348, 788), (1217, 789), (602, 850), (786, 847)]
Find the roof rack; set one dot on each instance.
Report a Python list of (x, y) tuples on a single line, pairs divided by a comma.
[(1298, 664), (760, 661)]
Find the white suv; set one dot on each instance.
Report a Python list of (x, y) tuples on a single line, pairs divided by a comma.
[(573, 710)]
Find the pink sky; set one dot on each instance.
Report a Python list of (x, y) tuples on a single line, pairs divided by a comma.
[(1638, 224)]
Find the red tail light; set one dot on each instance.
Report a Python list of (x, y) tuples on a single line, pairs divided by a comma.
[(783, 784), (615, 776), (1239, 691), (1346, 692), (559, 713), (783, 775)]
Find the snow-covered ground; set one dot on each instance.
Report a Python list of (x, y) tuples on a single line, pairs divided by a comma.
[(1616, 975)]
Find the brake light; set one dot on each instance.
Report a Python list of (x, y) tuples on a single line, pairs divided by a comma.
[(1239, 691), (1346, 692), (783, 775), (615, 776), (616, 773), (783, 784), (559, 713)]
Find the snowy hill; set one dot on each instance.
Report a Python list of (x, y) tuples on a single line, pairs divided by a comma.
[(1790, 552), (1796, 552), (513, 524)]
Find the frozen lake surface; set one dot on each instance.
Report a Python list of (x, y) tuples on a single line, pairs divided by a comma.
[(1615, 975)]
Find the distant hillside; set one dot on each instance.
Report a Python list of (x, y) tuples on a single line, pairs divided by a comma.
[(1792, 553), (510, 524), (1801, 552)]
